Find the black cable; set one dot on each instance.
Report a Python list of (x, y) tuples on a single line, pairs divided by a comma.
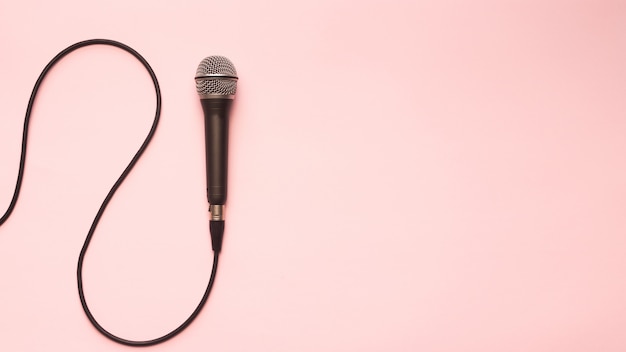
[(142, 148)]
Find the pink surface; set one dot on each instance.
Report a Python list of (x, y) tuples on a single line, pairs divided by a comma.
[(405, 176)]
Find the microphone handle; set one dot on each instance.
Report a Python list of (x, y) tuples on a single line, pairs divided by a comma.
[(216, 114)]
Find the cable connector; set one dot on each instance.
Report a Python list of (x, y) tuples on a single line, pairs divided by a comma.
[(217, 234)]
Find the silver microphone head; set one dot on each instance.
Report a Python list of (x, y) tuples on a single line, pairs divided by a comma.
[(216, 77)]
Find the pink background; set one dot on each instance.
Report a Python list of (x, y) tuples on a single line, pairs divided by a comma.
[(405, 176)]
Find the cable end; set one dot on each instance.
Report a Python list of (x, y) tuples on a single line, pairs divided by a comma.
[(217, 234)]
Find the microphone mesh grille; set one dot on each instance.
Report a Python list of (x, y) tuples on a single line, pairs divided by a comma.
[(216, 65)]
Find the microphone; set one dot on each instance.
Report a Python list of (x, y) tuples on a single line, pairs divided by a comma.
[(216, 83)]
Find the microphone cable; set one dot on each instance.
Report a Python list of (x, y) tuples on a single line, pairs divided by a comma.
[(92, 229)]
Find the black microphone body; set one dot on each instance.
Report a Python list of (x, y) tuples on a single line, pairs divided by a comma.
[(216, 115), (216, 83)]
